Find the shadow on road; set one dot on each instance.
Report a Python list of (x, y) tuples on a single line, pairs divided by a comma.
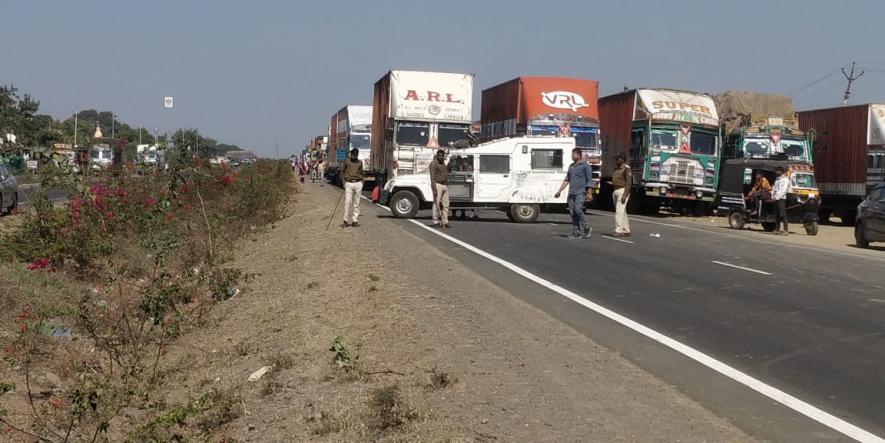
[(871, 248)]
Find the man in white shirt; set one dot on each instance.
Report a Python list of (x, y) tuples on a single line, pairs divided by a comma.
[(779, 195)]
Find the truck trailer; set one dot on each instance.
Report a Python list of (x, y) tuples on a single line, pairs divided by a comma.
[(350, 128), (414, 113), (672, 142), (849, 155), (545, 106)]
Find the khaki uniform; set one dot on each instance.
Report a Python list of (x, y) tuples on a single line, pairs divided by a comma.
[(622, 180), (438, 181), (352, 176)]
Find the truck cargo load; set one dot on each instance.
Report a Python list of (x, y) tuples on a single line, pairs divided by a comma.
[(545, 106), (761, 126), (849, 155), (736, 108), (414, 113), (672, 141)]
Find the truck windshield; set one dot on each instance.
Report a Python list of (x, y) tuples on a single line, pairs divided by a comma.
[(802, 180), (702, 143), (664, 140), (585, 139), (452, 133), (359, 141), (417, 134), (795, 149), (756, 148)]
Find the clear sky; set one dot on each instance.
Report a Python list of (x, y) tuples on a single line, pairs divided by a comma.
[(249, 71)]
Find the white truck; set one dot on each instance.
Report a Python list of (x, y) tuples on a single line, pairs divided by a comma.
[(519, 176), (414, 113), (350, 128)]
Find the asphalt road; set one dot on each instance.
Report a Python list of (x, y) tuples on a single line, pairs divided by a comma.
[(808, 321)]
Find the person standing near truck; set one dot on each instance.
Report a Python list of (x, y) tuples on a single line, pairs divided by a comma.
[(622, 181), (352, 176), (438, 181), (779, 195), (579, 179)]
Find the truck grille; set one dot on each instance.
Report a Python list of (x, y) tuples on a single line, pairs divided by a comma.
[(682, 172)]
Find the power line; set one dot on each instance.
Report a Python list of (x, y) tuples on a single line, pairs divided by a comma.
[(802, 88), (828, 88)]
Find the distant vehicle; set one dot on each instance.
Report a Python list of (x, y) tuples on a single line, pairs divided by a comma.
[(565, 107), (672, 141), (149, 155), (849, 155), (101, 156), (351, 128), (519, 176), (415, 113), (761, 126), (870, 225), (8, 190)]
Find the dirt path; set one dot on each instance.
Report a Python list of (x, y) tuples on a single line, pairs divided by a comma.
[(469, 362)]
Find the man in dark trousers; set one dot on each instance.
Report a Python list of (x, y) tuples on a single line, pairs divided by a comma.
[(438, 181), (352, 176), (578, 179), (779, 195)]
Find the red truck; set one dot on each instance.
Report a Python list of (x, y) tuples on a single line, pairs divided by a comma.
[(545, 106), (849, 155)]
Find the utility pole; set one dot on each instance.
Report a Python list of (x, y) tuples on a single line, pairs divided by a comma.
[(76, 112), (851, 78), (139, 134), (113, 134)]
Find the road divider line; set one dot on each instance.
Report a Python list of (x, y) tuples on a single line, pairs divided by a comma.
[(736, 375), (721, 263), (617, 239)]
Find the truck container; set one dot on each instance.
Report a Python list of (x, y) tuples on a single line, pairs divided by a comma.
[(849, 155), (672, 140), (350, 128), (527, 106), (415, 113)]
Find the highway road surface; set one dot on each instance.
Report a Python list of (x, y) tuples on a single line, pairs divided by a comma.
[(788, 341)]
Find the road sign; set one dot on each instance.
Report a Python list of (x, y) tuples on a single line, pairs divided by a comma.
[(167, 102), (32, 164)]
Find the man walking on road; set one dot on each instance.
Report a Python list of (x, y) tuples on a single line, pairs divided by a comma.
[(440, 191), (352, 176), (321, 171), (779, 195), (578, 180), (622, 180)]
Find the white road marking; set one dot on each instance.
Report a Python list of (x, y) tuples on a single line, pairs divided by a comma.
[(721, 263), (767, 390), (876, 300), (552, 224), (617, 239)]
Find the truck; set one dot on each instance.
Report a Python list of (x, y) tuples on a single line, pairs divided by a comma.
[(761, 126), (350, 128), (414, 113), (849, 155), (519, 176), (672, 141), (546, 106), (149, 155)]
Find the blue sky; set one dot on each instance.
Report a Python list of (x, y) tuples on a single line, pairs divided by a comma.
[(247, 72)]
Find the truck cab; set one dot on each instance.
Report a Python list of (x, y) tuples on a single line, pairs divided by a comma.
[(516, 175), (769, 138)]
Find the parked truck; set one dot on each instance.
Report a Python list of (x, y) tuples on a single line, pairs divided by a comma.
[(351, 128), (672, 140), (849, 155), (545, 106), (415, 113), (761, 126)]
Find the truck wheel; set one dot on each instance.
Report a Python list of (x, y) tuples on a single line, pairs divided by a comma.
[(848, 218), (860, 237), (769, 226), (824, 215), (524, 213), (811, 228), (404, 204), (736, 220)]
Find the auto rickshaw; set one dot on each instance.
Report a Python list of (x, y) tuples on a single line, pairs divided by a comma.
[(734, 198)]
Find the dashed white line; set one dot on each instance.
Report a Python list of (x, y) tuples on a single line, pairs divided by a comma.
[(617, 239), (721, 263)]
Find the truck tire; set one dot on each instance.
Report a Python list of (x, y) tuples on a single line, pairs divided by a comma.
[(736, 220), (524, 212), (860, 237), (848, 218), (824, 215), (811, 228), (404, 204), (769, 226)]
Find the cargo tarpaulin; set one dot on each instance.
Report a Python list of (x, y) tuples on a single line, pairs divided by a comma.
[(736, 107), (431, 96), (876, 133), (677, 106)]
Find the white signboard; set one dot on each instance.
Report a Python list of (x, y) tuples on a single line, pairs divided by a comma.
[(876, 133), (167, 102), (679, 106), (32, 164), (431, 96)]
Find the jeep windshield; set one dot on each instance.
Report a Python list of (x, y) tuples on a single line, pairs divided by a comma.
[(450, 134), (415, 134)]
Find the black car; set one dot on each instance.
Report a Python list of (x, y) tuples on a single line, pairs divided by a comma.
[(870, 226)]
